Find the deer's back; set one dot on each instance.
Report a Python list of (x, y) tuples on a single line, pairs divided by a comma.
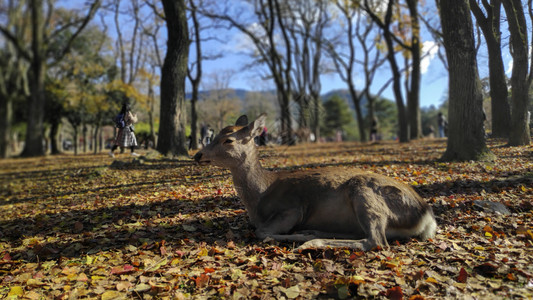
[(332, 194)]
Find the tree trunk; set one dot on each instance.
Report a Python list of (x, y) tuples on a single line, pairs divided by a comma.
[(286, 128), (358, 113), (54, 131), (403, 122), (501, 112), (490, 25), (75, 142), (466, 139), (316, 117), (34, 130), (96, 132), (520, 82), (194, 118), (6, 116), (172, 118), (413, 94), (195, 81)]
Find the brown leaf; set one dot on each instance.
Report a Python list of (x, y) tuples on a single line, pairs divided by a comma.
[(394, 293), (463, 276)]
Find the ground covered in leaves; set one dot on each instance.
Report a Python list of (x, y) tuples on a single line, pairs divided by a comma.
[(89, 226)]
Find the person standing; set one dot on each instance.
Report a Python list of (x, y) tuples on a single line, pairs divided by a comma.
[(442, 125), (126, 136), (374, 130)]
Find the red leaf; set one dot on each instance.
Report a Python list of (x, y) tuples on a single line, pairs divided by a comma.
[(122, 270), (463, 275), (286, 283), (7, 257), (395, 293), (202, 280)]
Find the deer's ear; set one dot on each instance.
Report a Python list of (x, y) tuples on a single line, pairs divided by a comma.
[(256, 127), (242, 121)]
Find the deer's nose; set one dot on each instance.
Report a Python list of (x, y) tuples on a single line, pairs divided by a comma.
[(197, 157)]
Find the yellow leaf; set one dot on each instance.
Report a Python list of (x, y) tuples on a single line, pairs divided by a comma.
[(112, 295), (89, 259), (96, 278), (34, 282), (157, 265), (431, 280), (488, 235), (203, 252), (15, 291)]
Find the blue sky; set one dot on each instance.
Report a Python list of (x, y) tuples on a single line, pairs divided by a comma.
[(233, 45), (433, 87), (434, 82)]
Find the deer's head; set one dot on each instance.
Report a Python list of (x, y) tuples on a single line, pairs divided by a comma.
[(233, 145)]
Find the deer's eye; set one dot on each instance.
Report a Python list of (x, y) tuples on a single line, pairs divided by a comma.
[(229, 141)]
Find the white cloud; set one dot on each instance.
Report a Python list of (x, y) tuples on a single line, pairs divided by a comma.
[(240, 42), (429, 50), (510, 67)]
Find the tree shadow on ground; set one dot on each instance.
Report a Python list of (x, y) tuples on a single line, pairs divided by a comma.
[(81, 232)]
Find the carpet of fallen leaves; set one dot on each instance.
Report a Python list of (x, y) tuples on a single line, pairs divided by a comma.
[(90, 226)]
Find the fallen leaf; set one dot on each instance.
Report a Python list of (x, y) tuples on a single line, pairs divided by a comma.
[(463, 276), (292, 292), (17, 291), (112, 295), (395, 293)]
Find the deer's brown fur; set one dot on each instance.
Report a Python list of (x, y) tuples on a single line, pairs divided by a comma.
[(324, 207)]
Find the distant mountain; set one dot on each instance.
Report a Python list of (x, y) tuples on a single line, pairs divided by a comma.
[(345, 94), (241, 94)]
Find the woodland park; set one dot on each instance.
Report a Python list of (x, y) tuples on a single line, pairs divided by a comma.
[(159, 226), (93, 227)]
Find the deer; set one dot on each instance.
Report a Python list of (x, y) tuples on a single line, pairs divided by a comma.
[(321, 208)]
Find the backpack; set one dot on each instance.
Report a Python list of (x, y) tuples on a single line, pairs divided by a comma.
[(119, 121)]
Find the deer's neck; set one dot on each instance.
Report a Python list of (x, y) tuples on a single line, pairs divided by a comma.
[(251, 180)]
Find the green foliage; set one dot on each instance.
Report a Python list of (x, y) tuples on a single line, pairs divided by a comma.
[(338, 116), (387, 115)]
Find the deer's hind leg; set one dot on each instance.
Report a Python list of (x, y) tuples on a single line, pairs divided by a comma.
[(372, 214), (279, 226)]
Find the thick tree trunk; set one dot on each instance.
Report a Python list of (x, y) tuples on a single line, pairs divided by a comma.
[(520, 82), (489, 21), (501, 112), (34, 129), (172, 138), (466, 139)]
